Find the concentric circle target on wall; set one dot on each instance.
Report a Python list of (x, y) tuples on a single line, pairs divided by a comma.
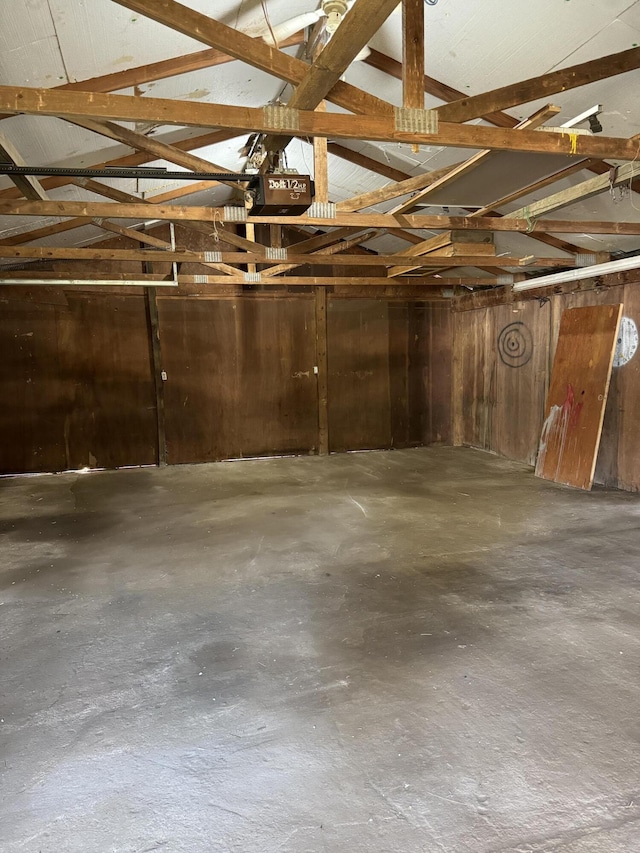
[(515, 345)]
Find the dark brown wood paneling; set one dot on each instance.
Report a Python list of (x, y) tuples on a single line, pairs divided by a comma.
[(475, 332), (389, 373), (504, 356), (359, 387), (105, 349), (240, 378), (76, 383), (35, 397), (436, 372), (518, 350)]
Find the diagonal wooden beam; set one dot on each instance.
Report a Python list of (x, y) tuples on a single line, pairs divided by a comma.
[(391, 191), (131, 233), (376, 127), (365, 162), (537, 119), (360, 24), (109, 192), (494, 206), (155, 147), (29, 185), (127, 198), (433, 87), (542, 86), (136, 159), (444, 92), (580, 192), (337, 247), (254, 52)]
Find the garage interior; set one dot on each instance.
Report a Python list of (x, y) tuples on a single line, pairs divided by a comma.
[(284, 568)]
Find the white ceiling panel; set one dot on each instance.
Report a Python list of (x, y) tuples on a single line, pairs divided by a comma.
[(29, 51), (99, 36)]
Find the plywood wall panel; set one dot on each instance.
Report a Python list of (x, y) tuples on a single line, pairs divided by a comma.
[(577, 396), (240, 378), (359, 378), (76, 384), (500, 410), (35, 399), (105, 349), (474, 329), (437, 329), (518, 350)]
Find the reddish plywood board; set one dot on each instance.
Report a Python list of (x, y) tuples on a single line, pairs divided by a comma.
[(578, 395)]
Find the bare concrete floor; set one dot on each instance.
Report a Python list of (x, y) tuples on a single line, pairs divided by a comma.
[(421, 651)]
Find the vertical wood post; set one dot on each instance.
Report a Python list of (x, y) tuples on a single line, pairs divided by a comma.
[(322, 365), (320, 165), (457, 379), (413, 55), (151, 304)]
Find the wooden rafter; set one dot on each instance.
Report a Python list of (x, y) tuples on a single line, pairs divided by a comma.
[(179, 213), (28, 185), (580, 192), (376, 127), (131, 233), (447, 93), (544, 86), (141, 74), (433, 87), (204, 281), (365, 162), (455, 172), (252, 51), (313, 259), (152, 146), (360, 23), (138, 158), (532, 188), (336, 248)]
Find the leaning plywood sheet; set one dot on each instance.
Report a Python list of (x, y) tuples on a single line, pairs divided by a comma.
[(578, 395)]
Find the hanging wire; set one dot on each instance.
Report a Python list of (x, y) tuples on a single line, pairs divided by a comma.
[(268, 20), (631, 181)]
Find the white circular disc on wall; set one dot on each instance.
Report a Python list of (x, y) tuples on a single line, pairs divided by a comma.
[(627, 343)]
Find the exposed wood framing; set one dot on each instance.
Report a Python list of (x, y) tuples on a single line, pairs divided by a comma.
[(542, 86), (180, 213), (360, 23), (534, 121), (444, 92), (151, 304), (371, 126), (28, 185), (365, 162), (132, 234), (138, 76), (580, 192), (252, 258), (252, 51), (320, 164), (158, 149), (337, 247), (138, 158), (413, 54)]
